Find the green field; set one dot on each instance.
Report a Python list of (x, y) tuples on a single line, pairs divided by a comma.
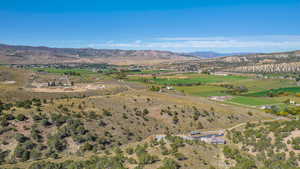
[(203, 90), (63, 71), (253, 101), (150, 71), (190, 79), (257, 85), (275, 91), (207, 85)]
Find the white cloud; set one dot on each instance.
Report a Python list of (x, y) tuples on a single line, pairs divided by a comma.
[(223, 44), (220, 38)]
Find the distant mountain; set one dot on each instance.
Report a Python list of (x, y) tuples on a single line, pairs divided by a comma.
[(209, 54), (29, 55)]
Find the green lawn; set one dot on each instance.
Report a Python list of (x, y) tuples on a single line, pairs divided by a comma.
[(254, 101)]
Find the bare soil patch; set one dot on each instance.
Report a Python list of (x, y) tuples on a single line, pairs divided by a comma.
[(75, 88)]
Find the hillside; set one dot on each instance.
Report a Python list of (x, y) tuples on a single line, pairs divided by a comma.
[(264, 57), (284, 62), (209, 54), (37, 127), (41, 55)]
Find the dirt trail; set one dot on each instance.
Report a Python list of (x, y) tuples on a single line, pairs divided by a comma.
[(222, 130), (271, 120)]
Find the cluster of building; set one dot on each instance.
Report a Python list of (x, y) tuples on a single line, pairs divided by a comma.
[(62, 81), (212, 138)]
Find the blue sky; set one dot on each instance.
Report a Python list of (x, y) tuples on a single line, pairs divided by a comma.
[(176, 25)]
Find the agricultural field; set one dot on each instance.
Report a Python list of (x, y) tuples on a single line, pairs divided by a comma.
[(253, 101), (75, 71), (188, 79), (150, 71), (203, 90), (275, 92), (204, 85)]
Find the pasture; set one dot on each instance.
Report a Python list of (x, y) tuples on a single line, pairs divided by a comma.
[(203, 90), (204, 85), (257, 85), (254, 101), (188, 79), (279, 91)]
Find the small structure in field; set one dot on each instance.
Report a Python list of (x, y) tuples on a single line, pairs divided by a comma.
[(169, 88), (220, 73), (264, 107), (195, 132), (220, 98)]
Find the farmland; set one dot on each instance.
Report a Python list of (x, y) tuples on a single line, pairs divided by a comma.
[(253, 101), (64, 71), (204, 85), (203, 90), (149, 71), (189, 79), (279, 91)]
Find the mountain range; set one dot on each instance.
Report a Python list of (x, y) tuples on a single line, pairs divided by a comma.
[(11, 54)]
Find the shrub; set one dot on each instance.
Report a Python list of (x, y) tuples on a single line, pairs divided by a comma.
[(21, 138), (21, 117), (87, 147), (129, 151), (106, 113)]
